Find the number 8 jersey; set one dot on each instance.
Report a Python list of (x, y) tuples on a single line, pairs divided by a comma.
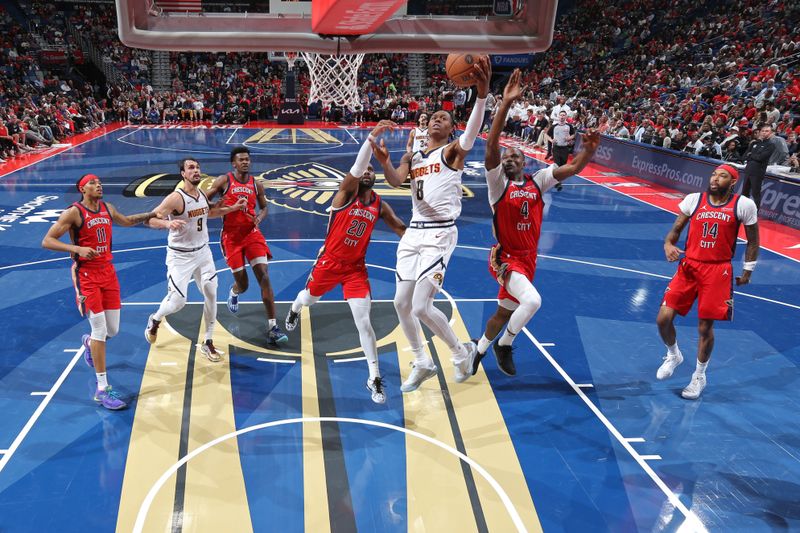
[(713, 228), (435, 187), (194, 234)]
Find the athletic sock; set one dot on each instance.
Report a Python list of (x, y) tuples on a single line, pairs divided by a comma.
[(701, 368), (507, 338), (102, 380), (673, 351), (273, 322), (483, 344)]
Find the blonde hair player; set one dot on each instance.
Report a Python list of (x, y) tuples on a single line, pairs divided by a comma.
[(431, 237)]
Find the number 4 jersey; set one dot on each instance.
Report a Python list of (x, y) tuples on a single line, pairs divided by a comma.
[(713, 228)]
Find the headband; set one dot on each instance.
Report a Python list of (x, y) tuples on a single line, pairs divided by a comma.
[(730, 170), (86, 179)]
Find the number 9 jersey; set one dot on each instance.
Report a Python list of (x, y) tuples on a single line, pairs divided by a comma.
[(194, 234)]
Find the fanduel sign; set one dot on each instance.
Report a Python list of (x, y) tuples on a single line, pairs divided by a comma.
[(512, 60)]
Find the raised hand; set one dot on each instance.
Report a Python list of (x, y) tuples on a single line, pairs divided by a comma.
[(590, 140), (513, 89), (382, 126), (380, 151), (482, 76)]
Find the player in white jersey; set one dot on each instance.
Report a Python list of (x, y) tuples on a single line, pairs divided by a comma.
[(185, 214), (431, 237), (418, 138)]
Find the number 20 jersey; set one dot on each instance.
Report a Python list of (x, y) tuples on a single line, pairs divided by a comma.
[(350, 229)]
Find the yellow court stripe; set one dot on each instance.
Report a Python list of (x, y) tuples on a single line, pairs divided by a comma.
[(155, 435), (437, 494), (296, 193), (324, 197), (318, 173), (215, 497), (487, 441), (305, 173), (312, 133), (315, 487), (294, 135), (270, 134), (256, 137), (288, 190), (309, 195), (325, 136)]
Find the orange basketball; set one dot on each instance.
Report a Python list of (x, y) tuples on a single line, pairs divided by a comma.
[(460, 68)]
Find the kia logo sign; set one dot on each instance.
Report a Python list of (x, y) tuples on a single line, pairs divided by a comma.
[(291, 111)]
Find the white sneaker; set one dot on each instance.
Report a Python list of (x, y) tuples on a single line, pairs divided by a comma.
[(695, 387), (464, 366), (151, 331), (668, 366), (417, 376), (211, 353), (375, 386)]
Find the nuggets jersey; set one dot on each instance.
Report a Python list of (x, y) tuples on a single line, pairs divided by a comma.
[(94, 232), (350, 229), (194, 234), (435, 187), (420, 140), (517, 220), (713, 230), (239, 222)]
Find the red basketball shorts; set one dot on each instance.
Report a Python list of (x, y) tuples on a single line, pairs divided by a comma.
[(96, 287), (711, 284), (502, 264), (327, 273), (242, 249)]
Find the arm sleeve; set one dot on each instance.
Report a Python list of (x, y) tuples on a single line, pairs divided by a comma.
[(689, 204), (747, 211), (496, 181), (364, 156), (467, 140)]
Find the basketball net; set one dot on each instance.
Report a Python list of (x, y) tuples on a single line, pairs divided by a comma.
[(334, 78), (291, 57)]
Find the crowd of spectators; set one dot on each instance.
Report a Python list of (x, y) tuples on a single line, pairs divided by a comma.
[(682, 77)]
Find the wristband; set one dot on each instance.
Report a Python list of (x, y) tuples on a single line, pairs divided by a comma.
[(750, 265)]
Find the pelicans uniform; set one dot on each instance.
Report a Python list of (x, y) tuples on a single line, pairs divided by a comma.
[(342, 257), (188, 253), (431, 236), (241, 240), (518, 209), (95, 280), (420, 143), (705, 274)]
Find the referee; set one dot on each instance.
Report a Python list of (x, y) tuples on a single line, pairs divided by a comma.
[(563, 136)]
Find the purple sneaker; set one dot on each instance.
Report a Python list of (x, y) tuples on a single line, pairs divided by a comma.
[(87, 350), (109, 399)]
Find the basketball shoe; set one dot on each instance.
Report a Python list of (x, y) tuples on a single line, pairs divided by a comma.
[(695, 387), (417, 376), (463, 367), (375, 386), (668, 366), (86, 340), (210, 352)]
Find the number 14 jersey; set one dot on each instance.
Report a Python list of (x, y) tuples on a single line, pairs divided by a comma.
[(713, 228)]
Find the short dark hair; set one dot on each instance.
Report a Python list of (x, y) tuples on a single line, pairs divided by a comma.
[(239, 150), (183, 162)]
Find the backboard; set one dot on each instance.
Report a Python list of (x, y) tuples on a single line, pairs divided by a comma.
[(434, 26)]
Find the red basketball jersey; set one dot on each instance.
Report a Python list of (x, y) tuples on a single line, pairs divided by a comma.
[(712, 231), (239, 222), (350, 228), (94, 232), (518, 217)]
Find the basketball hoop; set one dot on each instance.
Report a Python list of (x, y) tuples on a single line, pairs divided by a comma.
[(334, 78)]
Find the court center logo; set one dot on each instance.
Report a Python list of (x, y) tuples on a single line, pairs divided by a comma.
[(307, 187)]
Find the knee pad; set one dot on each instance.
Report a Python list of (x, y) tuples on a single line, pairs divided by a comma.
[(112, 322), (98, 324)]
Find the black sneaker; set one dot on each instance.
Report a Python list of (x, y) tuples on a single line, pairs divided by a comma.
[(505, 359), (476, 363)]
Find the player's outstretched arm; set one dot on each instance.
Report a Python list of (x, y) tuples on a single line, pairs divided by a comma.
[(218, 187), (589, 143), (126, 220), (171, 205), (511, 93), (672, 252), (52, 240), (392, 220), (457, 150), (221, 210), (750, 254), (394, 176), (349, 185)]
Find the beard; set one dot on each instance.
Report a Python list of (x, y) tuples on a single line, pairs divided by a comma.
[(721, 191)]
